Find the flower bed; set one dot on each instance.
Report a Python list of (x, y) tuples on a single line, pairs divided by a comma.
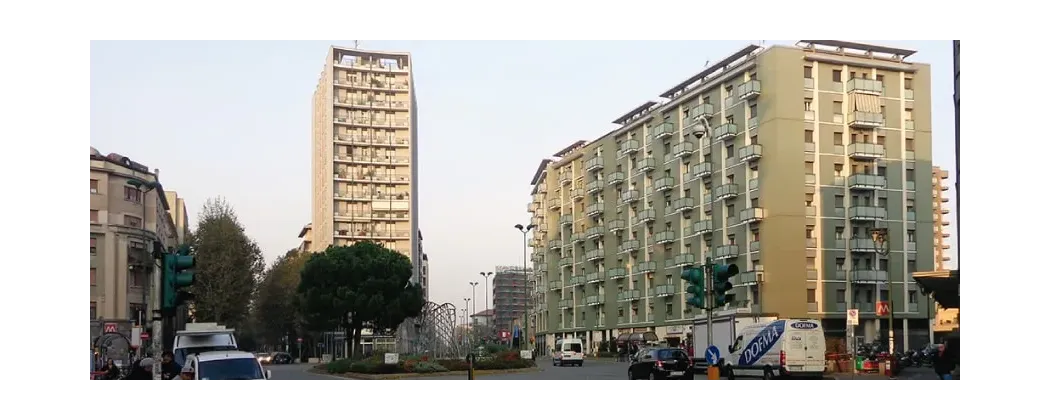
[(422, 365)]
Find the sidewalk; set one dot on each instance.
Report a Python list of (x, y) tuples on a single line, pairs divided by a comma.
[(908, 374)]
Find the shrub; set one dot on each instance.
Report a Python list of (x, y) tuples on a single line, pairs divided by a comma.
[(454, 364), (427, 367), (607, 354), (495, 348), (339, 366)]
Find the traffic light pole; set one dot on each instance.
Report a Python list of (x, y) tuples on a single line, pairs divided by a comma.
[(157, 342), (709, 300)]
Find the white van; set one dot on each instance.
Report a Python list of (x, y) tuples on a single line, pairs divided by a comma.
[(202, 337), (780, 348), (568, 351)]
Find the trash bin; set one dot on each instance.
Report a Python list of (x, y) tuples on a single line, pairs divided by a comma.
[(859, 366), (889, 366)]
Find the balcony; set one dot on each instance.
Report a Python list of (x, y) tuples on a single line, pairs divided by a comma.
[(865, 86), (683, 204), (616, 178), (565, 219), (680, 260), (595, 254), (595, 300), (864, 245), (577, 280), (566, 262), (616, 273), (664, 184), (629, 246), (595, 209), (554, 285), (869, 276), (646, 215), (554, 203), (859, 119), (595, 232), (866, 213), (577, 194), (865, 151), (595, 164), (595, 277), (665, 237), (595, 186), (630, 147), (752, 215), (726, 191), (725, 132), (750, 89), (663, 291), (616, 225), (645, 267), (629, 295), (748, 278), (726, 251), (683, 149), (703, 169), (702, 227), (533, 207), (702, 111), (565, 177), (663, 130), (630, 196), (577, 238), (754, 246), (565, 303), (864, 182), (750, 152), (554, 244), (647, 165)]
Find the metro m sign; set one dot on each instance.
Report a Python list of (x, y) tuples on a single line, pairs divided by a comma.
[(109, 327), (882, 308)]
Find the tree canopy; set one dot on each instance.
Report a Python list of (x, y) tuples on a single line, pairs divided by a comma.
[(229, 264), (274, 307), (358, 286)]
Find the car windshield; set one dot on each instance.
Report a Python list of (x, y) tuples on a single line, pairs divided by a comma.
[(670, 354), (180, 354), (229, 369)]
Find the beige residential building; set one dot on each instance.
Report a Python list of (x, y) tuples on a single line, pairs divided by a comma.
[(125, 223), (779, 160), (178, 215), (364, 152), (306, 237), (946, 319)]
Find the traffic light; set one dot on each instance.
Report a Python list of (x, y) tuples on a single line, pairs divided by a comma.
[(694, 276), (722, 273), (177, 276)]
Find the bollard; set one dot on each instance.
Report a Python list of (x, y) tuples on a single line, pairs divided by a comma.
[(712, 373), (470, 367)]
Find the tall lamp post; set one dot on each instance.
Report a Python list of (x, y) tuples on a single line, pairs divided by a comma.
[(143, 188), (486, 276), (525, 272), (473, 297), (881, 237)]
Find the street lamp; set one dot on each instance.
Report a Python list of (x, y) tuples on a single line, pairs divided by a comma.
[(143, 188), (486, 276), (473, 296), (525, 284), (881, 237)]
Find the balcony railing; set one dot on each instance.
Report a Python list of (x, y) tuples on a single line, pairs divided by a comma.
[(553, 203), (662, 130), (629, 246), (726, 191), (862, 245), (565, 219), (554, 243), (868, 276), (616, 225), (595, 164), (595, 209), (683, 204), (646, 165), (702, 227), (680, 260), (664, 237), (577, 280), (683, 149), (595, 232), (565, 303), (860, 119), (702, 111), (868, 86), (751, 152), (615, 178), (866, 213), (630, 146), (702, 169), (750, 89), (663, 290), (595, 277), (630, 196), (645, 267), (664, 183), (724, 132), (865, 182), (595, 254), (565, 262), (616, 273), (752, 214), (554, 285), (647, 215), (595, 186), (629, 295), (565, 177), (594, 300), (865, 151), (726, 251)]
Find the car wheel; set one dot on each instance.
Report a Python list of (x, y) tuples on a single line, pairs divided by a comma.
[(688, 377), (767, 374), (581, 364), (652, 376), (630, 375), (729, 373)]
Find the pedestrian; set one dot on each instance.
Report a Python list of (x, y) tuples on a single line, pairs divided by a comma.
[(947, 359), (169, 369), (185, 374), (110, 370), (143, 370)]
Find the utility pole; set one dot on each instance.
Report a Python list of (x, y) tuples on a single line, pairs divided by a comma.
[(709, 298), (158, 323)]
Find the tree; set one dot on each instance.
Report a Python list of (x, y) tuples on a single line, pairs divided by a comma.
[(229, 264), (274, 306), (357, 286)]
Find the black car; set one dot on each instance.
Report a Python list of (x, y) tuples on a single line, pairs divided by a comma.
[(280, 358), (660, 363)]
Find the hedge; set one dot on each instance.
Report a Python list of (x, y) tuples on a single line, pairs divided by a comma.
[(414, 364)]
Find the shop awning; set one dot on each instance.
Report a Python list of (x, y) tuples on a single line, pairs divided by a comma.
[(942, 285)]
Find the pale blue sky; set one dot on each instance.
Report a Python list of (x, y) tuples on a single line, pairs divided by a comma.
[(233, 119)]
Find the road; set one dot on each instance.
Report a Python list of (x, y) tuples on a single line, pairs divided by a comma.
[(591, 370)]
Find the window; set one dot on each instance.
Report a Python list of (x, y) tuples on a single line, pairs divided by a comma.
[(880, 140), (852, 75), (838, 169), (92, 276), (730, 210), (811, 296), (852, 138), (729, 119), (753, 110), (909, 175), (811, 263), (807, 105), (840, 264), (729, 151), (94, 245), (809, 136), (132, 194), (836, 75), (909, 145), (809, 232), (907, 83), (94, 310), (883, 202), (137, 313), (837, 107), (707, 100), (94, 216), (132, 221), (911, 235), (94, 186), (809, 167), (911, 266), (136, 278), (731, 239), (840, 296), (809, 199), (838, 139), (880, 78), (840, 201), (807, 72), (669, 309)]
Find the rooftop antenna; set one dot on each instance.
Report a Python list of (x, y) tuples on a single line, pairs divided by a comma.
[(356, 44)]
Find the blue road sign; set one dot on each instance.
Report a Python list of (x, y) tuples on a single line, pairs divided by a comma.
[(711, 355)]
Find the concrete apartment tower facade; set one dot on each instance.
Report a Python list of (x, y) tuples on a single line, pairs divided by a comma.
[(946, 319), (779, 160), (365, 153)]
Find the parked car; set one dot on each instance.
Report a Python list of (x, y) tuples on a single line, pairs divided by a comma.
[(660, 363)]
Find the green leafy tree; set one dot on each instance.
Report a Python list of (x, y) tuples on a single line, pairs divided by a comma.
[(357, 286), (274, 307), (229, 264)]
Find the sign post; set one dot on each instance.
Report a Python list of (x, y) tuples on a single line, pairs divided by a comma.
[(299, 342), (711, 355), (852, 320)]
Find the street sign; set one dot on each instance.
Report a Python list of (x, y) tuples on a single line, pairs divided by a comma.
[(299, 340), (109, 327), (144, 336), (390, 358), (882, 308), (504, 334), (711, 355), (853, 316)]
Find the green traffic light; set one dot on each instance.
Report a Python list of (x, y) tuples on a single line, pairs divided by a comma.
[(695, 278), (723, 286), (177, 274)]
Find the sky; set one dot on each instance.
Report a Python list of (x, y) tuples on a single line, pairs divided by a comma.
[(233, 119)]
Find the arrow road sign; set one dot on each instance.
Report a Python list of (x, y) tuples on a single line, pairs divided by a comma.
[(711, 355)]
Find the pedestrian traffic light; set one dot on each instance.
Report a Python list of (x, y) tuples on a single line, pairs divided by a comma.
[(694, 277), (177, 276), (722, 286)]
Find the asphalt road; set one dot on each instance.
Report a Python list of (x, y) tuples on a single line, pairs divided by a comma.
[(591, 370)]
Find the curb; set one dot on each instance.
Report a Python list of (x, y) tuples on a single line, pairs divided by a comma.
[(396, 376)]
